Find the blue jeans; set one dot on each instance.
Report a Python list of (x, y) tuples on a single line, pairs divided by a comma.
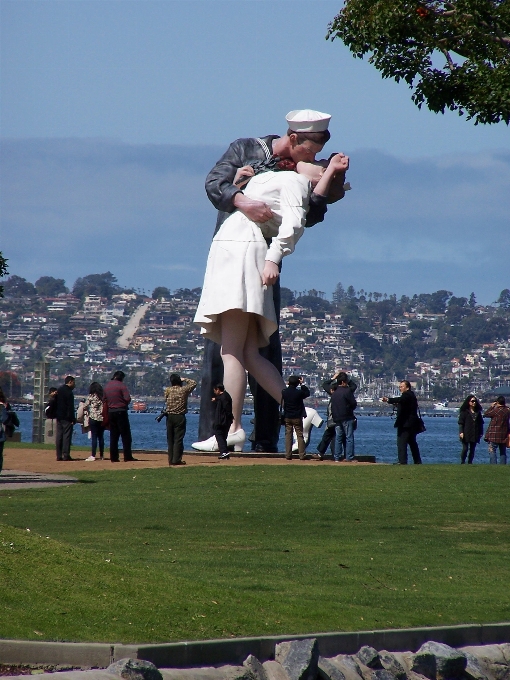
[(97, 432), (344, 442), (493, 457)]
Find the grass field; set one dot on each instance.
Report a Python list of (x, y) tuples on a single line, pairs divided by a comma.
[(159, 555)]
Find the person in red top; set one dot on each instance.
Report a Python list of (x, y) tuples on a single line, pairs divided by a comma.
[(117, 398)]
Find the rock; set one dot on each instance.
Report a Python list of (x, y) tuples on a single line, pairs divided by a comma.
[(237, 673), (436, 660), (348, 665), (253, 665), (491, 659), (369, 656), (135, 669), (299, 658), (382, 674), (328, 670), (390, 663), (274, 671), (475, 668)]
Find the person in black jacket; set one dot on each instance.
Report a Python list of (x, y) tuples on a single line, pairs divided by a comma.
[(293, 397), (406, 422), (343, 404), (329, 436), (227, 197), (223, 418), (470, 426), (66, 418)]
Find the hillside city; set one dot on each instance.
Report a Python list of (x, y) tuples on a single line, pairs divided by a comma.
[(446, 346)]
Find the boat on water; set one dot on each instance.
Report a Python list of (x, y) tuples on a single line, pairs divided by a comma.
[(139, 407), (443, 406)]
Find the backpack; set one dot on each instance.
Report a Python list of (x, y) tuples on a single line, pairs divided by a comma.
[(51, 408), (12, 422)]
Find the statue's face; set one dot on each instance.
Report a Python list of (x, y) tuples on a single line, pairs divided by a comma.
[(303, 152)]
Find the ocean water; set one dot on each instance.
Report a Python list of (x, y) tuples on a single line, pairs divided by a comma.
[(375, 436)]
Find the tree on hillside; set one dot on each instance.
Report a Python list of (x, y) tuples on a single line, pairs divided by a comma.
[(48, 286), (104, 285), (286, 297), (453, 55), (160, 292), (17, 286), (339, 294), (504, 299), (3, 271)]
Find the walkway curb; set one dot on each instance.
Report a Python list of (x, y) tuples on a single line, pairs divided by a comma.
[(235, 651)]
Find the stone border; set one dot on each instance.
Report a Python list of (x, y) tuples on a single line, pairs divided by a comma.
[(235, 651)]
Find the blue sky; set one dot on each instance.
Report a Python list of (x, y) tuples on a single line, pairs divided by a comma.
[(113, 111)]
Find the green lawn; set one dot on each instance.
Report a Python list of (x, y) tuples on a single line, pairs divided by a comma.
[(159, 555)]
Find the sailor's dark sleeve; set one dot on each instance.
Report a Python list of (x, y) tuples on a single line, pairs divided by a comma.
[(218, 183), (317, 209)]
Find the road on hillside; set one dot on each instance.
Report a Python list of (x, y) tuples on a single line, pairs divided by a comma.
[(132, 325)]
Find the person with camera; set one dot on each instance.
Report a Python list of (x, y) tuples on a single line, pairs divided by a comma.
[(176, 407), (407, 423), (498, 430), (343, 404), (293, 409), (329, 436)]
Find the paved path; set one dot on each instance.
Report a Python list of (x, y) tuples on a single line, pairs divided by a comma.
[(132, 325), (17, 479)]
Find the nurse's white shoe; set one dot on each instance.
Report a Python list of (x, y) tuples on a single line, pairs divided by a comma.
[(237, 439), (207, 445)]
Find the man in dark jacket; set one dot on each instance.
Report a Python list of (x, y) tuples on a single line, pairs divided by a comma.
[(66, 418), (117, 399), (293, 397), (223, 419), (406, 422), (343, 404), (329, 436), (227, 197)]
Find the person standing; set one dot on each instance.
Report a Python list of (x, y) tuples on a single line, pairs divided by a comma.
[(66, 418), (497, 432), (223, 418), (176, 406), (328, 438), (406, 422), (4, 417), (343, 404), (470, 427), (117, 398), (293, 397), (94, 410)]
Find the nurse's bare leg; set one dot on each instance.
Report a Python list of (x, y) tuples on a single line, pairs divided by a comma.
[(264, 372), (234, 331)]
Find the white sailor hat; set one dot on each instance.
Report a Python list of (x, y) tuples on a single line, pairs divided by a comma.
[(307, 120)]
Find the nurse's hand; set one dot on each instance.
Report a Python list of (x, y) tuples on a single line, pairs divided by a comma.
[(270, 274)]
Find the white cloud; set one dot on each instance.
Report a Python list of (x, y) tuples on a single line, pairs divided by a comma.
[(72, 208)]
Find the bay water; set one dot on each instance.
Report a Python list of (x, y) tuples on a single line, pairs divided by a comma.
[(375, 436)]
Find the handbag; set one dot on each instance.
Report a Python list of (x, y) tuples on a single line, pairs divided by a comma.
[(80, 414), (420, 425), (508, 441)]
